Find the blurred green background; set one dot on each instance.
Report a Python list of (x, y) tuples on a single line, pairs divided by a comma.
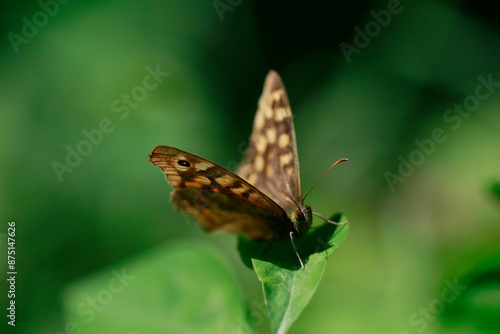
[(423, 255)]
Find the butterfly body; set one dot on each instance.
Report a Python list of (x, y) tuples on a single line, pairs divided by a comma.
[(263, 199)]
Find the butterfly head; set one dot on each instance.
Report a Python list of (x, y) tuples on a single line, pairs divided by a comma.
[(302, 216), (301, 219)]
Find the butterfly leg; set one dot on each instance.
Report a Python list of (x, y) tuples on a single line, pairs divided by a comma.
[(295, 249), (329, 221)]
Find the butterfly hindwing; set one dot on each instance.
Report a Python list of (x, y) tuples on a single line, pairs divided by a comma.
[(216, 211), (270, 162), (218, 198)]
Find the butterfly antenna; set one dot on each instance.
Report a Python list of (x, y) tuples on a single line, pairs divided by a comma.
[(328, 220), (329, 169)]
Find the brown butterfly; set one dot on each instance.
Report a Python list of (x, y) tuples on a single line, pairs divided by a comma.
[(263, 200)]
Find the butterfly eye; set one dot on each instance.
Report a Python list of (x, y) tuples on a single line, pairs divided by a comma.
[(184, 163), (273, 105), (298, 214)]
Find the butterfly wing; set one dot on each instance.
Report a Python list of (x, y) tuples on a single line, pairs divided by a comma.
[(271, 162), (219, 199)]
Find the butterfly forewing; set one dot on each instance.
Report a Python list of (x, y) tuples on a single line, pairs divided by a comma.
[(218, 198), (270, 162)]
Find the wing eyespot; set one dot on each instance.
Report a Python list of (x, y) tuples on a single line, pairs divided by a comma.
[(184, 163)]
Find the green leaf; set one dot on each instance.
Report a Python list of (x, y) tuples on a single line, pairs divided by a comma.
[(472, 300), (183, 288), (287, 287)]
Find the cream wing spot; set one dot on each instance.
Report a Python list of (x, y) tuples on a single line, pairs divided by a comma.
[(191, 184), (271, 135), (241, 190), (260, 144), (245, 170), (174, 180), (172, 177), (269, 172), (259, 163), (277, 94), (284, 140), (224, 180), (286, 158), (246, 192), (269, 113), (252, 178), (203, 180), (281, 114), (259, 121), (203, 166), (182, 168)]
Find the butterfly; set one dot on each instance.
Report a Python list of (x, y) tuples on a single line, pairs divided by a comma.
[(263, 199)]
